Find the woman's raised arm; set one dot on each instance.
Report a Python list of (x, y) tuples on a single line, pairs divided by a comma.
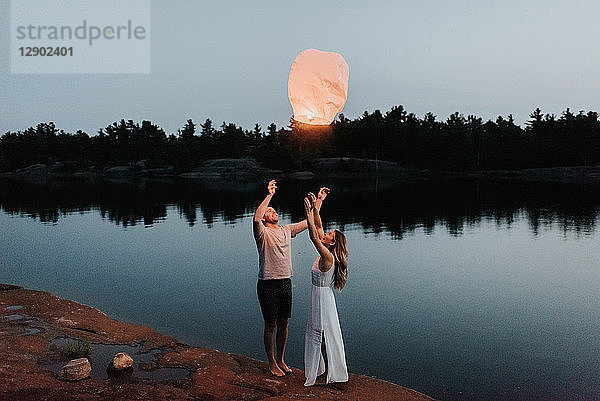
[(317, 202), (326, 256)]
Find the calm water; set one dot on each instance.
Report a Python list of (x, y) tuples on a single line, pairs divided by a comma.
[(464, 290)]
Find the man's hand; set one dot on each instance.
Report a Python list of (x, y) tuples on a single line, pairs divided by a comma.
[(262, 208), (323, 192)]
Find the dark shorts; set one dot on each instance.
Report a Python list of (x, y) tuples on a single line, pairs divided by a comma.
[(275, 297)]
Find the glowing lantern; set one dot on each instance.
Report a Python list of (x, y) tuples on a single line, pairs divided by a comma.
[(318, 86)]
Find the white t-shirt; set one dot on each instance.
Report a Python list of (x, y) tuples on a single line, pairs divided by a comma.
[(274, 250)]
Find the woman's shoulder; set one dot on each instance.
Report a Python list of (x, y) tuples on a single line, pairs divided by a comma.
[(323, 265)]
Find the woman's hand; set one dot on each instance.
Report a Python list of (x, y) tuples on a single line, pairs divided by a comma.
[(323, 192), (308, 207)]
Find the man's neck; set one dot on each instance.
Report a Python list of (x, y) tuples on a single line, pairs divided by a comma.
[(271, 225)]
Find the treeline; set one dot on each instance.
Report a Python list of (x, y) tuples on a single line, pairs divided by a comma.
[(458, 143)]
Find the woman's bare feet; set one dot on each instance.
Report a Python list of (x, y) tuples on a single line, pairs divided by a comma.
[(275, 371), (284, 367)]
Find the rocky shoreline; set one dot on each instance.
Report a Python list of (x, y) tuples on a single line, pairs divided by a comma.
[(33, 321), (248, 169), (244, 169), (572, 174)]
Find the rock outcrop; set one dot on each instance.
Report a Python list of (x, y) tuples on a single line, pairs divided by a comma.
[(213, 375), (76, 369), (121, 361)]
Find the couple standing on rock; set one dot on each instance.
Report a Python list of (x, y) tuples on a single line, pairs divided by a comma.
[(274, 288)]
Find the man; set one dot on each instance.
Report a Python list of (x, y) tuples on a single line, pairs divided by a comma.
[(274, 287)]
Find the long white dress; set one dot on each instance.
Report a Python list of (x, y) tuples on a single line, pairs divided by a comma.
[(323, 322)]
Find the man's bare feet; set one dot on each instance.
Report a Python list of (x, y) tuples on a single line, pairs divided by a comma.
[(284, 367), (275, 371)]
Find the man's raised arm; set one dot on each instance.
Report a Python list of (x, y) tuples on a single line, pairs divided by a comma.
[(257, 224)]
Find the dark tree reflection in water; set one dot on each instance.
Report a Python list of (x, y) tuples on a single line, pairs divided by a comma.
[(378, 205)]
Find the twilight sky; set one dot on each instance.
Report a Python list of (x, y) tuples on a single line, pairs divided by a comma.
[(230, 60)]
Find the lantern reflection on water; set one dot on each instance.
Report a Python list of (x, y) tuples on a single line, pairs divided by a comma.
[(318, 86)]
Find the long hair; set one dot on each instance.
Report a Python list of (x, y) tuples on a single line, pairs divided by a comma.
[(340, 256)]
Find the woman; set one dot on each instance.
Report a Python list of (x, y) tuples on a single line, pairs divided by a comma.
[(331, 267)]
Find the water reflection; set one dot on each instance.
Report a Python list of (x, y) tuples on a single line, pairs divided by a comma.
[(377, 206), (477, 302)]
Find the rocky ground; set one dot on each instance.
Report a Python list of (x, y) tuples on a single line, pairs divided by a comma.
[(248, 169), (31, 321), (574, 174), (244, 169)]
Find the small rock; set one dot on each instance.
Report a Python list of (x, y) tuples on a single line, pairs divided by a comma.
[(122, 361), (76, 369)]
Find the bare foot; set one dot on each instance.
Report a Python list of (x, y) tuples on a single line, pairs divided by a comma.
[(284, 367), (275, 371)]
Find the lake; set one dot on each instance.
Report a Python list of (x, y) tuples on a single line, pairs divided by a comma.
[(460, 289)]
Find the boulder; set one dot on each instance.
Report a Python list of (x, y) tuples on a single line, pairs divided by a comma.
[(302, 175), (57, 166), (199, 174), (35, 169), (352, 165), (159, 171), (76, 369), (119, 170), (122, 361)]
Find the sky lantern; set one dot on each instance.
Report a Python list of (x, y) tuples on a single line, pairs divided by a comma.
[(318, 86)]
